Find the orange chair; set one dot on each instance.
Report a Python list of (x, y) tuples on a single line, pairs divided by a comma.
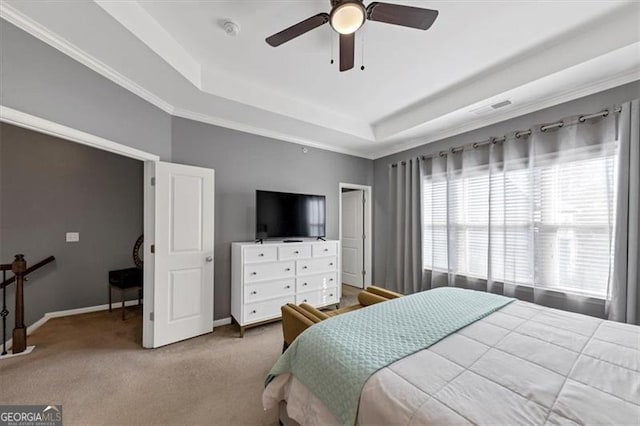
[(296, 319)]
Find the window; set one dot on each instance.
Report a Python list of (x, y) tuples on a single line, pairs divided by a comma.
[(547, 226)]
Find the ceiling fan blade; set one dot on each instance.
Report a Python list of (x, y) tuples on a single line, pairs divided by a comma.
[(298, 29), (406, 16), (347, 51)]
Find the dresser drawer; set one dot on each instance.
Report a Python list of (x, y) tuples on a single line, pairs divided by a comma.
[(260, 254), (294, 252), (316, 282), (269, 290), (315, 266), (269, 271), (261, 311), (319, 297), (325, 249)]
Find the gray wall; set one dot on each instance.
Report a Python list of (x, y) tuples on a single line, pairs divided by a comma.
[(42, 81), (244, 163), (37, 79), (593, 103), (49, 187)]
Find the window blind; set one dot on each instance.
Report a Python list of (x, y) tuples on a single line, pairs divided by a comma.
[(547, 224)]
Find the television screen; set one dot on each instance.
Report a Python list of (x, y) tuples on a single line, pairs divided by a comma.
[(282, 215)]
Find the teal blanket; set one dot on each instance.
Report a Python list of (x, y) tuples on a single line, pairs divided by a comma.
[(335, 357)]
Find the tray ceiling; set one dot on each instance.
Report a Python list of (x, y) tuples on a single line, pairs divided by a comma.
[(418, 86)]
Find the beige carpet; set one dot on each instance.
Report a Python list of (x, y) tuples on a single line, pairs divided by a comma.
[(94, 366)]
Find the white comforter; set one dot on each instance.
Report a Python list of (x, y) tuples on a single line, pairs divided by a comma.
[(524, 364)]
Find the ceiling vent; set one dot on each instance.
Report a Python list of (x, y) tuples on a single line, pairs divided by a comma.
[(501, 104), (487, 109)]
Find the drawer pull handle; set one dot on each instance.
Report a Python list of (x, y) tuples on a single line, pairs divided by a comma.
[(304, 267), (326, 249), (331, 295), (304, 284), (305, 300), (254, 292), (288, 269), (253, 312), (288, 286), (261, 255), (296, 252), (331, 264), (330, 279), (254, 273)]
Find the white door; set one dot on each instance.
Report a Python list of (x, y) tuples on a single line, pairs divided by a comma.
[(181, 269), (353, 238)]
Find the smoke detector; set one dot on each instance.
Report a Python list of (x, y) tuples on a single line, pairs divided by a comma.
[(231, 28)]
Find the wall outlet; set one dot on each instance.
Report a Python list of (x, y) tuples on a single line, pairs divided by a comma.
[(73, 237)]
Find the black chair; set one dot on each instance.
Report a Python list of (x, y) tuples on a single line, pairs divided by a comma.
[(125, 279)]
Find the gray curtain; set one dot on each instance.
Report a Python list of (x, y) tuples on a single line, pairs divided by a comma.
[(404, 255), (530, 217), (624, 303)]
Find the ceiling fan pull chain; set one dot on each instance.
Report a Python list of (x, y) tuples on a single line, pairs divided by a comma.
[(333, 42), (363, 31)]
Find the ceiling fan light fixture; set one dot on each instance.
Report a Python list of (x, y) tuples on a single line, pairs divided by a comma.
[(348, 17)]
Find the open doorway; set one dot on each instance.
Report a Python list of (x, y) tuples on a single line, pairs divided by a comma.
[(355, 234), (174, 196), (83, 206)]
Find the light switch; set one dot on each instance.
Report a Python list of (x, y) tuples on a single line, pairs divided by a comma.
[(73, 237)]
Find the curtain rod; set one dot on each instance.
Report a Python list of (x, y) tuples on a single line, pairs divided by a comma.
[(518, 135)]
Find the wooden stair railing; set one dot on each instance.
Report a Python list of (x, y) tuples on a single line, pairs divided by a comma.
[(20, 271), (4, 312)]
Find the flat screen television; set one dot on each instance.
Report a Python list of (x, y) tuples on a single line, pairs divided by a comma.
[(286, 215)]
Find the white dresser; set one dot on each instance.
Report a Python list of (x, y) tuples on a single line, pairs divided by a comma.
[(266, 276)]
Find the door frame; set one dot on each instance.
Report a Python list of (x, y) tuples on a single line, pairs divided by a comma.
[(41, 125), (368, 228)]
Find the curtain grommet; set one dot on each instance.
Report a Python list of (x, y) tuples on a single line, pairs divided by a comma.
[(552, 126)]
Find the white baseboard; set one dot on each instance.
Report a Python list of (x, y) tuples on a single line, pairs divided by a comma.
[(89, 309), (69, 312), (78, 311), (222, 321), (25, 352)]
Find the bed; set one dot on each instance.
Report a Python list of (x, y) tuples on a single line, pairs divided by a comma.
[(520, 364)]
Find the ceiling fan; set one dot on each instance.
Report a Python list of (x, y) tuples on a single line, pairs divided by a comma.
[(348, 16)]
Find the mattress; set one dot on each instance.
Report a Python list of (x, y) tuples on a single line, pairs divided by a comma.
[(523, 364)]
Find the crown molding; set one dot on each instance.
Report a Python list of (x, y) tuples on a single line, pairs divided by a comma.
[(20, 20), (567, 96), (206, 79), (246, 128), (158, 39), (17, 18)]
